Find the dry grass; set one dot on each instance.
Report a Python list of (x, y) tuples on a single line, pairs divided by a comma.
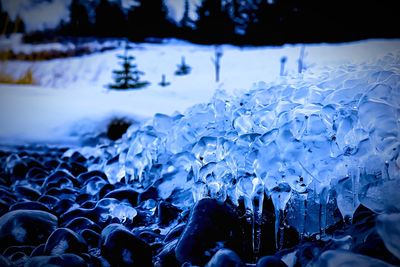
[(26, 78)]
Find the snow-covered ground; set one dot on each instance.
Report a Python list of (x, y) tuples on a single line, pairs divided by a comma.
[(71, 99)]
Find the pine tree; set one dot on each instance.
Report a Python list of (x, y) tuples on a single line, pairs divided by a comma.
[(186, 21), (214, 23), (110, 19), (129, 76), (152, 16), (164, 82), (79, 23), (183, 68)]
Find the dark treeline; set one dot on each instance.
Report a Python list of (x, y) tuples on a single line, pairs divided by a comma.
[(254, 22), (9, 25)]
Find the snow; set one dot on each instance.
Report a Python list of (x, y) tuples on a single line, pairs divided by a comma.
[(71, 99)]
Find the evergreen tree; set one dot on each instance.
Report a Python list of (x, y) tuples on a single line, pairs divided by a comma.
[(19, 25), (149, 19), (239, 13), (7, 25), (183, 68), (79, 23), (214, 23), (110, 20), (129, 76), (186, 21), (163, 82), (4, 20), (264, 23)]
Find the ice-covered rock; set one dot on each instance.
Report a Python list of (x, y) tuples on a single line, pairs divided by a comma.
[(310, 143)]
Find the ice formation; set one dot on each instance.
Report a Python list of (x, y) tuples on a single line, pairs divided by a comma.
[(310, 143)]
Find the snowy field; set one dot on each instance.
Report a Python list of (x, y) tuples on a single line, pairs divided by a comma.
[(70, 98)]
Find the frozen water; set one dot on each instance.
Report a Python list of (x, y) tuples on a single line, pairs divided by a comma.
[(310, 143)]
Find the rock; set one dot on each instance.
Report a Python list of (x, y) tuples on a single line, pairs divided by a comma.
[(122, 248), (60, 179), (167, 213), (104, 190), (49, 201), (77, 157), (91, 237), (80, 223), (94, 185), (333, 258), (18, 258), (38, 251), (64, 240), (117, 127), (270, 261), (83, 177), (225, 258), (166, 257), (27, 192), (174, 233), (26, 227), (63, 206), (63, 193), (65, 260), (150, 193), (388, 227), (4, 262), (122, 194), (308, 251), (210, 224), (30, 205), (76, 168), (373, 246), (362, 214), (90, 204), (82, 198), (27, 250)]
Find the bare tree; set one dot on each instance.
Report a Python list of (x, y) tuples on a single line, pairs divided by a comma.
[(164, 82), (217, 61), (283, 61), (300, 61)]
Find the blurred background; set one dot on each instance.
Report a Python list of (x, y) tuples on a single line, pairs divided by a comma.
[(71, 67)]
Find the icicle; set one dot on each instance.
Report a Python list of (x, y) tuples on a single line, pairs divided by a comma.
[(257, 199), (354, 174), (303, 213), (280, 196), (323, 198), (385, 172)]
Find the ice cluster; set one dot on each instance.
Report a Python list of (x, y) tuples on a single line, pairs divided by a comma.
[(311, 143)]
